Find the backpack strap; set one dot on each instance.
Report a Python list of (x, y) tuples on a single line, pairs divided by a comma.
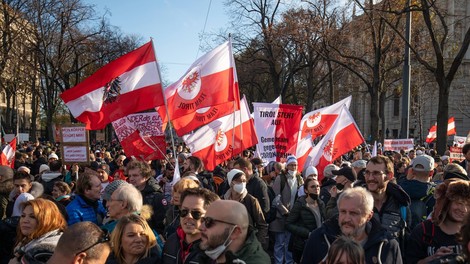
[(403, 213), (428, 237), (283, 181)]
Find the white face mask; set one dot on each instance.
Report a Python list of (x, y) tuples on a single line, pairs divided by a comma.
[(292, 172), (216, 252), (239, 187)]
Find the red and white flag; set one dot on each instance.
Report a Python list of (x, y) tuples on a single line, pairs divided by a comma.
[(211, 81), (277, 127), (342, 137), (8, 154), (304, 146), (223, 138), (127, 85), (432, 135), (141, 135), (318, 122)]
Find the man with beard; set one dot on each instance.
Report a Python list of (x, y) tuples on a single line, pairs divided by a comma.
[(391, 202), (435, 239), (183, 246), (355, 220), (226, 236)]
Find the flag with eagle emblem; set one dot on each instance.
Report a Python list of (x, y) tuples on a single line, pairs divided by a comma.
[(343, 136), (318, 122), (223, 138), (205, 92), (127, 85)]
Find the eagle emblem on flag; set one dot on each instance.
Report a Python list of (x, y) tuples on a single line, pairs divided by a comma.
[(112, 90)]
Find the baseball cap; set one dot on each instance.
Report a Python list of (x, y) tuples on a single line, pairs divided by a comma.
[(423, 163), (346, 172)]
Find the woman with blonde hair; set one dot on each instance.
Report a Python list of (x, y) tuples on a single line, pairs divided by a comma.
[(133, 242), (40, 227)]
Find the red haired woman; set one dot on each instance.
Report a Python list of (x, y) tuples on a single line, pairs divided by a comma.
[(40, 227)]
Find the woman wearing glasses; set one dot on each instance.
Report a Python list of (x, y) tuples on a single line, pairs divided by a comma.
[(133, 242), (40, 227), (183, 246), (306, 215)]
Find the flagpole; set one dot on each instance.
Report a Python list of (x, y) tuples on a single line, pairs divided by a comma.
[(164, 100)]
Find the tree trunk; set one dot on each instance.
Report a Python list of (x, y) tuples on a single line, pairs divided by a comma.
[(382, 97), (442, 115), (374, 115)]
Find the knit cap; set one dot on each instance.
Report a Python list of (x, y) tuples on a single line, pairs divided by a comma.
[(231, 174), (291, 159), (110, 188)]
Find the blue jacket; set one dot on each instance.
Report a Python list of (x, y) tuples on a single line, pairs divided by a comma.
[(79, 211)]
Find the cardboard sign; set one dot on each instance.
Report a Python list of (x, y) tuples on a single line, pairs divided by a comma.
[(74, 154)]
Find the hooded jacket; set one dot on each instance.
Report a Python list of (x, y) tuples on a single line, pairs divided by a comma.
[(251, 253), (152, 195), (380, 247)]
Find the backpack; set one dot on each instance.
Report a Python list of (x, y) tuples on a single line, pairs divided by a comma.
[(419, 208)]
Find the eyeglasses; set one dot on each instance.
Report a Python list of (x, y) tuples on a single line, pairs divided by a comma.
[(373, 173), (103, 239), (194, 214), (209, 222)]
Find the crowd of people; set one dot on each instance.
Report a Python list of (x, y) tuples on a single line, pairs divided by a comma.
[(395, 207)]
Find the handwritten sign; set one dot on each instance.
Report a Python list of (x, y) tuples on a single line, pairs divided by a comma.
[(75, 134), (75, 154)]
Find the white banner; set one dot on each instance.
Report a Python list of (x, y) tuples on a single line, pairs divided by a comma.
[(459, 141), (398, 144)]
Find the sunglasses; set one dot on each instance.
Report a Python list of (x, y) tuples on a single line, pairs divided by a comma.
[(194, 214), (209, 222), (103, 239)]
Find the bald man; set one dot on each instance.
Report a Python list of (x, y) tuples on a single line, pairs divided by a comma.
[(226, 238), (82, 243)]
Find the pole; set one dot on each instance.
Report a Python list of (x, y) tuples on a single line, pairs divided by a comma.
[(405, 102)]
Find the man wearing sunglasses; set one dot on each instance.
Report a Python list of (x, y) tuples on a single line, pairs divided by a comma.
[(183, 246), (226, 236), (84, 243)]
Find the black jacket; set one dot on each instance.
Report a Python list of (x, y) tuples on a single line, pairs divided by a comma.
[(378, 242), (153, 258), (172, 250), (257, 188), (153, 196), (301, 222)]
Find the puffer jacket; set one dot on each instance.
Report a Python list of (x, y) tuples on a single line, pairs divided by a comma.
[(380, 247), (172, 250), (301, 222), (251, 253), (79, 211), (152, 195)]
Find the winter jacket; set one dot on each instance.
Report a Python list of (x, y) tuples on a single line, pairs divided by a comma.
[(284, 206), (257, 188), (379, 246), (79, 211), (390, 215), (250, 253), (36, 191), (37, 164), (301, 221), (7, 239), (256, 216), (153, 196), (418, 190), (172, 252), (48, 179), (326, 185), (43, 245), (154, 257)]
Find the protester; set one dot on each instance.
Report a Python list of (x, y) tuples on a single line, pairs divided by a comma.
[(227, 238), (23, 184), (285, 188), (48, 178), (133, 242), (140, 175), (327, 182), (466, 162), (356, 221), (437, 238), (103, 175), (61, 193), (40, 227), (345, 251), (172, 219), (453, 170), (345, 178), (254, 185), (306, 215), (183, 245), (6, 187), (87, 205), (237, 192)]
